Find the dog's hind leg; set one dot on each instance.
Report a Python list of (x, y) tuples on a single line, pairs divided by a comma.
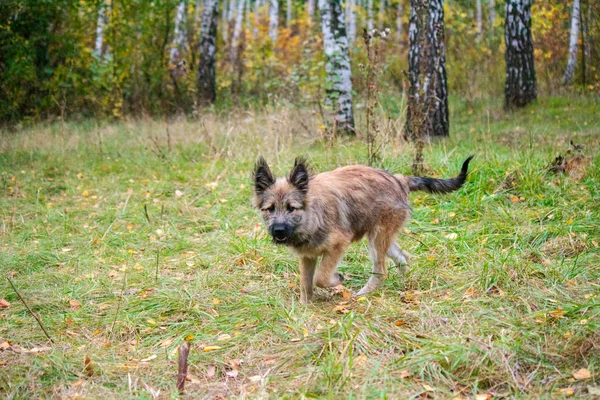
[(400, 258), (379, 243)]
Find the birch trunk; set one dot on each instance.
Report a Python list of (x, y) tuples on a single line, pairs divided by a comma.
[(479, 20), (351, 18), (288, 13), (273, 20), (492, 13), (399, 20), (237, 31), (310, 8), (100, 25), (370, 15), (427, 112), (520, 88), (207, 86), (257, 6), (574, 38), (180, 37), (224, 17), (337, 65)]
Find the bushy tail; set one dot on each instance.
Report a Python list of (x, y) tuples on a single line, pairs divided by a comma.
[(432, 185)]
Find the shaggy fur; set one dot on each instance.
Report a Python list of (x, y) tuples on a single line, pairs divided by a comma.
[(320, 215)]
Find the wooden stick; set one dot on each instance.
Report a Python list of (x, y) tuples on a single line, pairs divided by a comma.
[(146, 213), (29, 309), (184, 352), (156, 277)]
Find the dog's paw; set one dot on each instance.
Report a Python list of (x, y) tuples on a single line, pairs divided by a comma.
[(340, 277)]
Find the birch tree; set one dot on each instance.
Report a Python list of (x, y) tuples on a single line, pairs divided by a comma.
[(573, 39), (399, 21), (381, 16), (237, 31), (180, 35), (207, 86), (492, 13), (337, 65), (310, 9), (273, 20), (427, 112), (520, 88), (100, 26), (288, 13), (351, 21), (370, 15), (479, 19)]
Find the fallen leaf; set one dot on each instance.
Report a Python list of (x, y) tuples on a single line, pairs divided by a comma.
[(233, 373), (166, 343), (4, 303), (428, 388), (405, 374), (342, 309), (211, 348), (178, 193), (484, 396), (567, 391), (581, 374), (223, 337), (558, 313), (74, 304), (66, 249), (451, 236), (4, 345), (216, 301), (295, 339), (399, 323), (255, 378), (189, 337), (152, 357), (88, 366), (210, 371), (470, 292), (40, 349)]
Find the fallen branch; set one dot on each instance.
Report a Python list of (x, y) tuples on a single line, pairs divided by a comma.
[(184, 352), (29, 309)]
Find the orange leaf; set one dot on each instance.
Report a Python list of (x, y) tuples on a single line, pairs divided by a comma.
[(88, 366), (74, 304), (4, 303), (582, 373)]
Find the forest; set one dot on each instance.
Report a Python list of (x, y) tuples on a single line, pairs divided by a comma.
[(134, 261)]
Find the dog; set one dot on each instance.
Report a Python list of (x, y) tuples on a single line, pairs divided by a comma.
[(320, 215)]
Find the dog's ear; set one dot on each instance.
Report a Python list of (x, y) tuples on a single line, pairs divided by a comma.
[(263, 177), (299, 175)]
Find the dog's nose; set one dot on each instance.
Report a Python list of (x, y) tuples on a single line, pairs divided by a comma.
[(279, 232)]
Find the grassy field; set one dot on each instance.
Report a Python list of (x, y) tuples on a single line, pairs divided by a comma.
[(128, 241)]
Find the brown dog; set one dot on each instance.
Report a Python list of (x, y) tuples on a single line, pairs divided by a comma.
[(320, 215)]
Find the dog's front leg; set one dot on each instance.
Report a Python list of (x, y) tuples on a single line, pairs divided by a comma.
[(307, 272)]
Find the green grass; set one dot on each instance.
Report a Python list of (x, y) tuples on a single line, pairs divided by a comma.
[(503, 295)]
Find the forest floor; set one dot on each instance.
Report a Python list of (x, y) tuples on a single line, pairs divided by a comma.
[(128, 241)]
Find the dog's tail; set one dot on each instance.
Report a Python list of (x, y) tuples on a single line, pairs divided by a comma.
[(433, 185)]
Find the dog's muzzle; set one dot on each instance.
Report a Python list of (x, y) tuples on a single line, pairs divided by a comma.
[(279, 233)]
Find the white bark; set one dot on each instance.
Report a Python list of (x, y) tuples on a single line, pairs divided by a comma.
[(492, 13), (257, 6), (180, 36), (399, 20), (479, 20), (351, 21), (198, 11), (574, 38), (273, 19), (224, 16), (101, 23), (337, 65), (310, 8), (370, 15), (288, 13), (237, 31), (231, 11)]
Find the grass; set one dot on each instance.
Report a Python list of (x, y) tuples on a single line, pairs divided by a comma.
[(503, 295)]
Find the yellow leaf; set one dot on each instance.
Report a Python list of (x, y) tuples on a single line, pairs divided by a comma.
[(216, 301), (189, 337), (211, 348), (582, 373), (567, 391), (85, 193), (223, 337)]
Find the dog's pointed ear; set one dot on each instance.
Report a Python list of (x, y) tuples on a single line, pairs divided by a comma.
[(263, 177), (299, 175)]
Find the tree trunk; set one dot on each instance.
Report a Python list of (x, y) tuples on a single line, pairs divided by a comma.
[(479, 20), (521, 87), (574, 38), (492, 14), (180, 37), (370, 15), (237, 31), (427, 112), (337, 67), (207, 86), (399, 20), (101, 23), (273, 20), (310, 8), (288, 13), (257, 6), (351, 18)]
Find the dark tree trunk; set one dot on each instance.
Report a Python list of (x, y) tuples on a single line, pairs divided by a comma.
[(337, 65), (427, 112), (207, 86), (521, 87)]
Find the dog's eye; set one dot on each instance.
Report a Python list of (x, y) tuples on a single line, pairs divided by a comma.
[(290, 208), (271, 209)]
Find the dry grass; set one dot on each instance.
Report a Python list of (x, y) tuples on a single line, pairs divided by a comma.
[(502, 298)]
